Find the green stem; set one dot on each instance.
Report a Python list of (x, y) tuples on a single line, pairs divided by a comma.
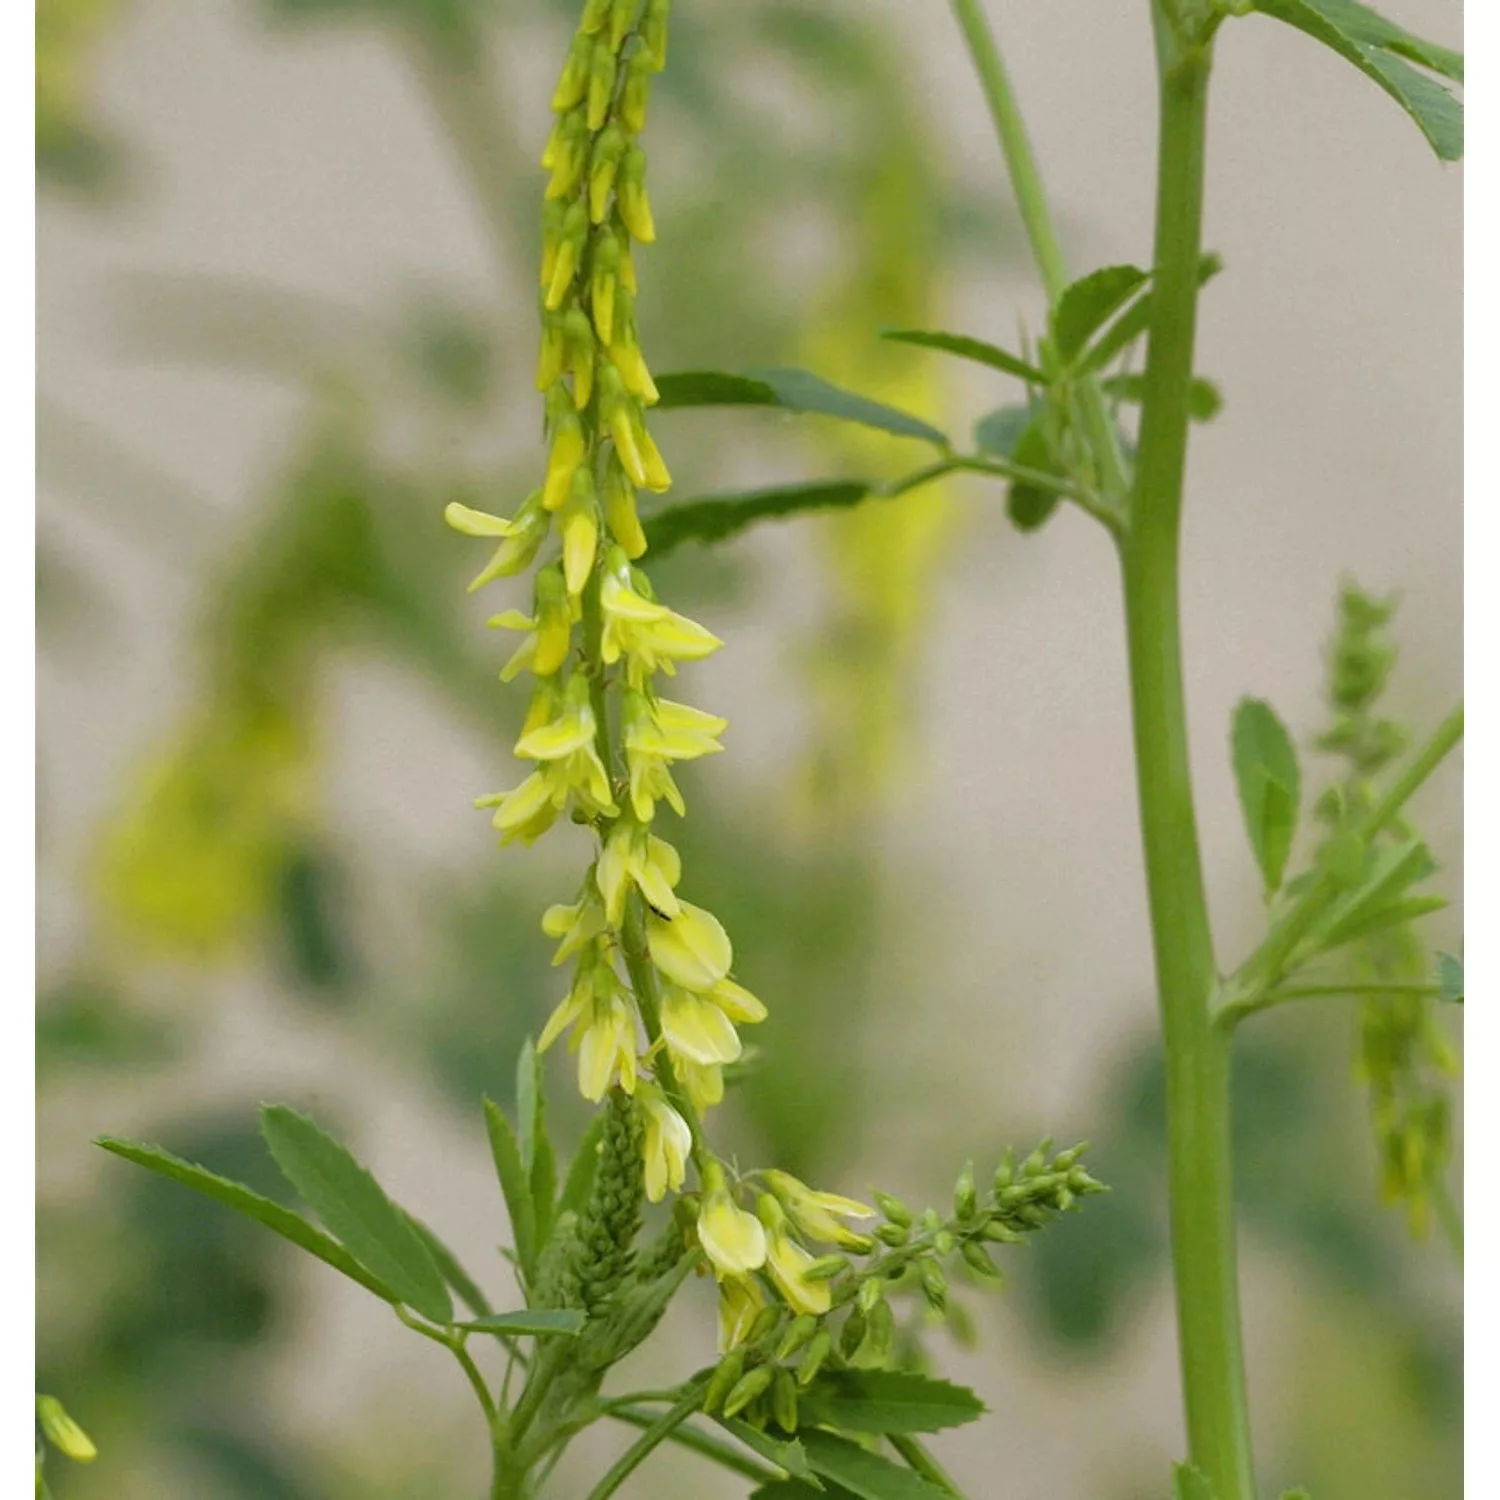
[(920, 1461), (1031, 200), (707, 1446), (1197, 1057), (1232, 1014), (648, 1442)]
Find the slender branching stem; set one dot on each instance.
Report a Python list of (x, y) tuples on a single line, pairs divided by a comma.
[(705, 1444), (920, 1461), (1197, 1057), (1031, 200), (648, 1442)]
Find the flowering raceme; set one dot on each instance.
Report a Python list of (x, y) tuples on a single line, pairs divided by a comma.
[(651, 1010)]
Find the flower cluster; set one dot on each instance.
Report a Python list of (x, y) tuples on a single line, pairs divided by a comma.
[(652, 1012)]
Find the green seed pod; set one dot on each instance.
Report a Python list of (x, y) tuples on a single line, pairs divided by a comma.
[(784, 1400), (893, 1208), (824, 1268), (817, 1351), (724, 1379), (750, 1385)]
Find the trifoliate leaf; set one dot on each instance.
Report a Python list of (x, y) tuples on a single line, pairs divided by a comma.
[(969, 348), (275, 1216), (354, 1206), (1134, 321), (1270, 786), (1450, 978), (1087, 305), (1383, 52)]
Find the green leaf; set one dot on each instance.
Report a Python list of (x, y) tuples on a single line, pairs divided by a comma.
[(1204, 400), (787, 1454), (719, 517), (886, 1401), (1387, 875), (1298, 1494), (354, 1206), (276, 1217), (515, 1184), (580, 1179), (1450, 978), (1270, 786), (792, 390), (540, 1321), (1088, 304), (968, 348), (863, 1473), (1379, 918), (1029, 505), (535, 1146), (1380, 49), (1189, 1483), (795, 1489), (1134, 321), (451, 1270), (999, 431)]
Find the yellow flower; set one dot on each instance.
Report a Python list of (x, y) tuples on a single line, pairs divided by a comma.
[(549, 627), (696, 1030), (526, 812), (787, 1262), (580, 532), (603, 1029), (734, 1241), (523, 537), (569, 445), (691, 949), (649, 634), (569, 746), (620, 513), (816, 1214), (704, 1084), (737, 1002), (575, 925), (63, 1432), (634, 855), (657, 733), (740, 1304), (669, 1141)]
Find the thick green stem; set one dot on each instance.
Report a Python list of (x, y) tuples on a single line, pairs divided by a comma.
[(1031, 200), (1197, 1055)]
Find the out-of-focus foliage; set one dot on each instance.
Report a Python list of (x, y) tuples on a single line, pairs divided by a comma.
[(71, 150)]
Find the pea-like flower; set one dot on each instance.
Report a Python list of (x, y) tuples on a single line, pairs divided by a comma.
[(633, 855), (656, 734), (568, 745), (819, 1215), (733, 1240), (522, 537), (648, 635), (696, 1030), (668, 1143), (787, 1262), (603, 1029), (740, 1303), (691, 949)]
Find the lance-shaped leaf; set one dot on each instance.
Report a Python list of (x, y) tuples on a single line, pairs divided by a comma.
[(863, 1473), (888, 1401), (966, 347), (1088, 304), (538, 1321), (515, 1184), (1450, 979), (535, 1145), (1134, 321), (1384, 52), (788, 1454), (274, 1216), (354, 1206), (1270, 786), (792, 390), (1374, 903), (718, 517), (1204, 400)]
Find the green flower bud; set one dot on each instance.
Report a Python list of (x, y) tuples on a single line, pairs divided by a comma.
[(621, 16), (852, 1335), (784, 1400), (965, 1197), (817, 1351), (578, 341), (63, 1432), (799, 1332), (595, 14), (604, 279), (871, 1293), (934, 1285), (942, 1242), (570, 248), (893, 1208), (1036, 1163), (747, 1388), (977, 1258), (1001, 1233), (766, 1320), (636, 94), (654, 33), (724, 1379), (575, 74), (825, 1268), (882, 1331), (604, 163), (567, 154), (894, 1235), (630, 195), (1005, 1173), (601, 84)]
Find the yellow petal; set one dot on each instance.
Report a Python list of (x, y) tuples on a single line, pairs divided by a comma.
[(692, 950)]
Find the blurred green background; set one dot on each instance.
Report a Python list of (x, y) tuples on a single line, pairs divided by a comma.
[(285, 257)]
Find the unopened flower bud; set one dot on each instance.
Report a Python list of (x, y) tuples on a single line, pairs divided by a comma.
[(817, 1351), (63, 1432), (619, 509), (825, 1268), (636, 94), (570, 247), (724, 1379), (574, 82), (654, 33), (977, 1258), (784, 1400), (934, 1284), (747, 1388), (799, 1332), (604, 163), (601, 84), (630, 195)]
